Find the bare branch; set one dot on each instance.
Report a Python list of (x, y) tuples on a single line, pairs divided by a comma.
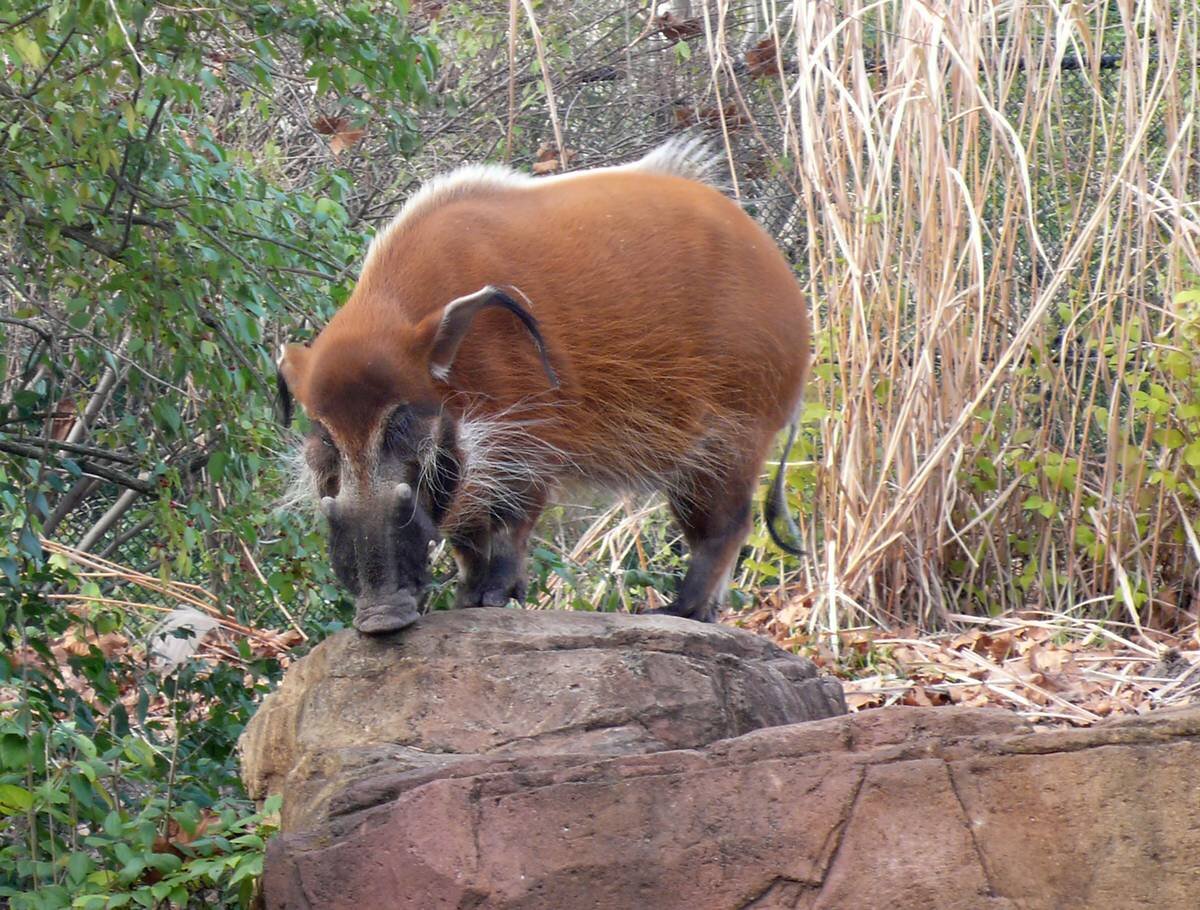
[(87, 467)]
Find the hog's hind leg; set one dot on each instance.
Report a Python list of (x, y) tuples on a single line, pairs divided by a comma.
[(714, 512)]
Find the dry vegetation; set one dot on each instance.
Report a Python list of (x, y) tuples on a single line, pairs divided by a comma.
[(994, 240)]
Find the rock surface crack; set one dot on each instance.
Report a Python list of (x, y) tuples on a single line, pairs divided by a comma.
[(966, 818)]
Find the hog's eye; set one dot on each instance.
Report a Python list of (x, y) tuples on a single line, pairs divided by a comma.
[(397, 436), (320, 450), (323, 460)]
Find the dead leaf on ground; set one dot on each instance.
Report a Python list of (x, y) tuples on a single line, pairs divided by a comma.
[(345, 139), (548, 160), (924, 697), (709, 118), (995, 647), (1047, 658), (1049, 670), (970, 696), (762, 59), (857, 701), (79, 642), (269, 643), (177, 836), (327, 125), (429, 9)]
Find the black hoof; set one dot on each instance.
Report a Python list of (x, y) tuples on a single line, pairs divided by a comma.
[(493, 597), (703, 614)]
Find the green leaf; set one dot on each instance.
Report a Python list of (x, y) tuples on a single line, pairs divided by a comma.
[(165, 863), (138, 750), (113, 824), (14, 800), (27, 49), (1169, 438), (216, 465), (14, 751), (78, 867)]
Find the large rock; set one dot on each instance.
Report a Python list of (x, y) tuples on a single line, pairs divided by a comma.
[(905, 808), (468, 690)]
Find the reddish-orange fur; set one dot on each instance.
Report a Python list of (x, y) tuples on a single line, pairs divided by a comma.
[(664, 306)]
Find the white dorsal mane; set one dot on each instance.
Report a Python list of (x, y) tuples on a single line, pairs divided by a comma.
[(684, 156)]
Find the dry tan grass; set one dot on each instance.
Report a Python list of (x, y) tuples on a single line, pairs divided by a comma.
[(138, 593), (993, 253)]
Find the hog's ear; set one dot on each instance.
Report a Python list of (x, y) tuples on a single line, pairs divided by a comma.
[(290, 370), (455, 321)]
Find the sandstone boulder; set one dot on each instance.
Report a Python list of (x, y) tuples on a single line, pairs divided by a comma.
[(477, 689)]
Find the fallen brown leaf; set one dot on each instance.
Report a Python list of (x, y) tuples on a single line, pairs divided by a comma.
[(328, 125), (761, 60), (345, 139), (548, 160), (709, 118)]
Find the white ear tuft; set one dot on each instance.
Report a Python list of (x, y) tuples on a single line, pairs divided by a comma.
[(403, 491), (326, 506)]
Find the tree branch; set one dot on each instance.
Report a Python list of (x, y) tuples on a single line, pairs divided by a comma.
[(104, 472), (127, 535), (80, 490), (37, 81), (107, 520), (17, 23), (29, 324), (74, 448)]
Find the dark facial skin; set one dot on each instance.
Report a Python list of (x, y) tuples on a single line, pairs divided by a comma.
[(379, 543), (379, 549)]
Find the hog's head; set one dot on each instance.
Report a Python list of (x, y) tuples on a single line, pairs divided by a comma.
[(381, 450)]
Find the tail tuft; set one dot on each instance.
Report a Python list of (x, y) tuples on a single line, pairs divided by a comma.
[(775, 508)]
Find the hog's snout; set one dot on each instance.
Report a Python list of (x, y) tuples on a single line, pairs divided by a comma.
[(378, 614), (380, 551)]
